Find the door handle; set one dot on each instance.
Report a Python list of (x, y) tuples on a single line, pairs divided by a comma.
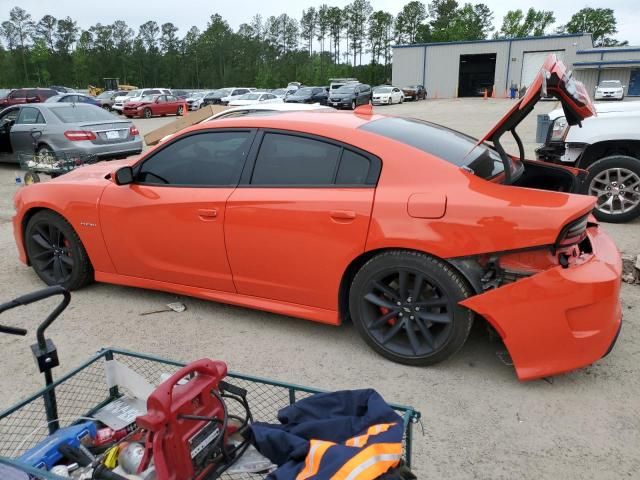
[(343, 214), (207, 213)]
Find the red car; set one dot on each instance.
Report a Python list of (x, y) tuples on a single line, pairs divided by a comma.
[(155, 105), (27, 95), (410, 229)]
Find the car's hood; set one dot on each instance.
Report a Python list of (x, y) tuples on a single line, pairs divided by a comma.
[(608, 89), (604, 109), (408, 89), (341, 95), (554, 80), (96, 172)]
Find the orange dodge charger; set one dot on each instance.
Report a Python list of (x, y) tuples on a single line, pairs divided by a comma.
[(410, 229)]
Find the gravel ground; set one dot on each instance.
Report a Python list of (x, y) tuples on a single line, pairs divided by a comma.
[(479, 421)]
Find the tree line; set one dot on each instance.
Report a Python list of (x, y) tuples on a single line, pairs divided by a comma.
[(324, 42)]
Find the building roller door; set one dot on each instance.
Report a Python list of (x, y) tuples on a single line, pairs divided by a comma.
[(532, 62)]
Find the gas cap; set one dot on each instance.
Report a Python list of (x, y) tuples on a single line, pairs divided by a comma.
[(427, 205)]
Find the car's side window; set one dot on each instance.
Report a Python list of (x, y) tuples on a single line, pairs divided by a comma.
[(293, 160), (171, 98), (29, 116), (162, 99), (205, 159), (10, 115), (354, 169)]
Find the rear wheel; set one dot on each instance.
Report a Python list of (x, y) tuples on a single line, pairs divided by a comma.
[(353, 104), (405, 306), (180, 110), (56, 252), (147, 113), (615, 182)]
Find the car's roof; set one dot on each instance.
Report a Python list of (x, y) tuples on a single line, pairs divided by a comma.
[(322, 118)]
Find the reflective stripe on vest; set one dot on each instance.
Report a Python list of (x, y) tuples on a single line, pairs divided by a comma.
[(361, 440), (371, 462), (317, 448)]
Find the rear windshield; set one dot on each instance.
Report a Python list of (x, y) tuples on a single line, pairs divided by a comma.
[(77, 114), (450, 145)]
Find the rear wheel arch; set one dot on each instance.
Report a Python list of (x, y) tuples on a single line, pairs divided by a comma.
[(465, 269)]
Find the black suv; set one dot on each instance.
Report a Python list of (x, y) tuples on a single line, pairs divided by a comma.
[(350, 96), (308, 95)]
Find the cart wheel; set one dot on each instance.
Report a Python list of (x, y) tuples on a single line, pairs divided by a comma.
[(31, 178)]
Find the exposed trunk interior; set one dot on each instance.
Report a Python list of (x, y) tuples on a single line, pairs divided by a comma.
[(549, 177)]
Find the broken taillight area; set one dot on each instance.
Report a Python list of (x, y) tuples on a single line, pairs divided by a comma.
[(572, 247)]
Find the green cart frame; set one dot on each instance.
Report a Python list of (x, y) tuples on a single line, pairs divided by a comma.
[(84, 390)]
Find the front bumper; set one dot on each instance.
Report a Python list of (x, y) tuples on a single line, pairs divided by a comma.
[(133, 112), (559, 319), (608, 96)]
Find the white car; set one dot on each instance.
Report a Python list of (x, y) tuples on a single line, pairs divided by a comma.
[(255, 97), (233, 94), (194, 101), (257, 109), (608, 148), (386, 95), (136, 96), (609, 89)]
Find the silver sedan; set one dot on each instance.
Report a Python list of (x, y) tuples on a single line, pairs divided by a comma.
[(64, 129)]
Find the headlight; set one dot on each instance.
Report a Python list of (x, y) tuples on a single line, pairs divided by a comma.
[(559, 130), (139, 108)]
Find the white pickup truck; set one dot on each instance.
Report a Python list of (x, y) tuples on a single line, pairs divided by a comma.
[(608, 147)]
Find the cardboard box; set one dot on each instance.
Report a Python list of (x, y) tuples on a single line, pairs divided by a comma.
[(180, 123)]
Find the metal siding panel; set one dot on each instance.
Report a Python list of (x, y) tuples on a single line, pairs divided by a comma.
[(407, 66), (588, 76), (618, 55)]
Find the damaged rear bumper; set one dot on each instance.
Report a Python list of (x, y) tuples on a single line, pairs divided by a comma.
[(559, 319)]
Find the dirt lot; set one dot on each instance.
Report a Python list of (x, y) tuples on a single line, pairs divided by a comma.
[(479, 421)]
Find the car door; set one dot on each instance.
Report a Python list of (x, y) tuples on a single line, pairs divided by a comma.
[(168, 224), (172, 104), (7, 121), (159, 106), (29, 125), (299, 216)]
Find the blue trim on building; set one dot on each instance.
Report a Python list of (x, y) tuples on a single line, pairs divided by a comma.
[(491, 40), (606, 62), (608, 50)]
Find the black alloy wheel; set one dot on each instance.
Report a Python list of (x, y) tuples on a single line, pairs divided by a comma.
[(56, 252), (353, 104), (147, 113), (405, 305)]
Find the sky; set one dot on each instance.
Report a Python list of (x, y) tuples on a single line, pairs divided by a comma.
[(185, 13)]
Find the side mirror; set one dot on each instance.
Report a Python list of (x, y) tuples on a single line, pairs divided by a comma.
[(124, 176)]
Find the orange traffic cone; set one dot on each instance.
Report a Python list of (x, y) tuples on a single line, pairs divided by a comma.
[(485, 94)]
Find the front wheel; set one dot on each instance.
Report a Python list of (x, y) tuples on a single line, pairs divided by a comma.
[(615, 182), (405, 306), (56, 252), (353, 104), (147, 113)]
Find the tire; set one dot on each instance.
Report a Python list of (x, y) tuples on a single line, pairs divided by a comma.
[(439, 326), (180, 111), (147, 113), (615, 182), (31, 177), (401, 99), (353, 104), (56, 252), (46, 153)]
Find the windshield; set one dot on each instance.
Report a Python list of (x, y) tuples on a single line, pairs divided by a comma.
[(611, 83), (105, 95), (133, 93), (279, 91), (382, 90), (70, 113), (198, 95), (449, 145), (346, 89), (304, 91)]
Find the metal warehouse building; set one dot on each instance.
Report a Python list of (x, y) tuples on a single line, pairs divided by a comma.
[(466, 69)]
